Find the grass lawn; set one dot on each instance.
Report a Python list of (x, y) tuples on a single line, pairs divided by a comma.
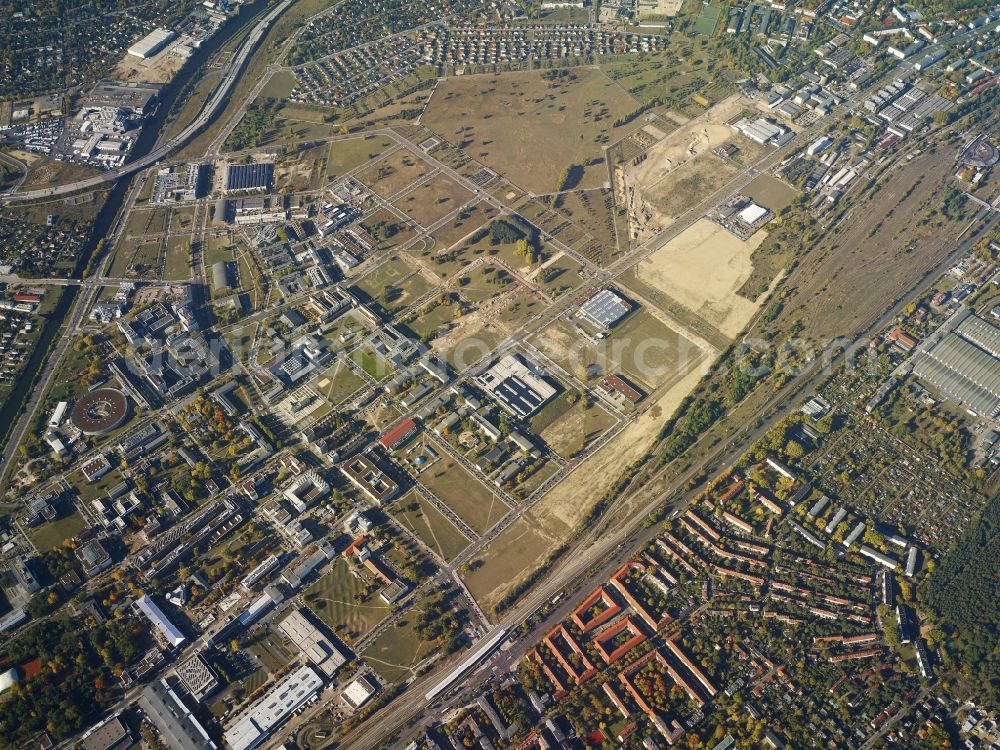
[(504, 561), (51, 535), (467, 222), (269, 649), (218, 247), (389, 175), (338, 382), (577, 428), (429, 322), (332, 599), (177, 266), (561, 276), (433, 200), (427, 523), (552, 411), (521, 307), (484, 282), (394, 285), (371, 363), (394, 653), (471, 500), (473, 345), (532, 126)]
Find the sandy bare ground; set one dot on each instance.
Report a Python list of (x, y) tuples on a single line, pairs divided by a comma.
[(700, 135), (702, 268), (161, 68), (522, 546), (562, 509)]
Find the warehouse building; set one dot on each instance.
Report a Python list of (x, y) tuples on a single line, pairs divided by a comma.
[(152, 43), (604, 309), (249, 177), (174, 721), (516, 386), (274, 708), (964, 365)]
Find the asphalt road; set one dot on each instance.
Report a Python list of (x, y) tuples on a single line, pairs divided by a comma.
[(578, 572), (216, 102)]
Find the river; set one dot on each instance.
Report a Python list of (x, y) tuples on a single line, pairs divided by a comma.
[(151, 130)]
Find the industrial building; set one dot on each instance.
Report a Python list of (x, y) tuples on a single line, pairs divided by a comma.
[(604, 309), (313, 644), (516, 386), (249, 177), (174, 721), (274, 708), (963, 362), (152, 43)]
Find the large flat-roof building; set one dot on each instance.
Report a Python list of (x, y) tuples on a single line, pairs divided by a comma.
[(273, 709), (964, 364), (152, 43), (249, 177), (160, 621), (174, 721), (313, 644), (604, 309), (516, 386)]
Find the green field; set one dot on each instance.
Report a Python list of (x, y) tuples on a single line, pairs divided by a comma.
[(351, 154), (332, 598), (471, 500), (708, 19), (394, 653), (426, 522), (342, 381), (532, 126), (51, 535), (177, 266), (394, 285)]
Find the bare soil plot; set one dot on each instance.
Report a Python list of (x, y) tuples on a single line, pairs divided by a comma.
[(350, 154), (433, 200), (471, 500), (697, 137), (702, 269), (392, 173), (531, 126), (689, 184), (426, 522), (468, 342)]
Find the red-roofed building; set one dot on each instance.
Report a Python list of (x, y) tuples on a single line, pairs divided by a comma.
[(396, 436), (22, 297)]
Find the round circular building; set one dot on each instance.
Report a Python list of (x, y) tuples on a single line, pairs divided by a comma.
[(100, 412)]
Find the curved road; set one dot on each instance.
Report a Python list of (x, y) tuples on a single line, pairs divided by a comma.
[(218, 100)]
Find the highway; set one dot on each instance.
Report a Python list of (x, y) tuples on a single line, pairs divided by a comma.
[(216, 103)]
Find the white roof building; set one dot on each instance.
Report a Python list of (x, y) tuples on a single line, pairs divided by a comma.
[(752, 214), (152, 43), (159, 620), (274, 708)]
